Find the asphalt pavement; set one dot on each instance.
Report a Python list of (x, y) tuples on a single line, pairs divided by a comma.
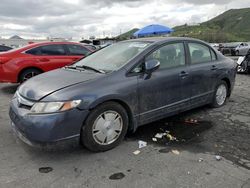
[(203, 147)]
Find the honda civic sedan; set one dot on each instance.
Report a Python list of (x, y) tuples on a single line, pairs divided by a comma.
[(110, 92)]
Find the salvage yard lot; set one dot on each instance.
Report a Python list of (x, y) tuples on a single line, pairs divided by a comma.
[(224, 132)]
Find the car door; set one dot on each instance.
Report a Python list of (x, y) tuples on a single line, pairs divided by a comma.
[(49, 57), (166, 90), (203, 71), (76, 52)]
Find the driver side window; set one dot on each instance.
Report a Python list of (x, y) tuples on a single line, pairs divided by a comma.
[(169, 56)]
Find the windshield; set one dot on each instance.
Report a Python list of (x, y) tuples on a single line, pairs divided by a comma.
[(113, 57)]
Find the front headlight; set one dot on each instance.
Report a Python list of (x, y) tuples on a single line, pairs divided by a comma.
[(50, 107)]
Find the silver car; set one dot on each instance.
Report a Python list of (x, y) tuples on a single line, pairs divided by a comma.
[(242, 49)]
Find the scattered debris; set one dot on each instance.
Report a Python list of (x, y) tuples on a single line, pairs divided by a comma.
[(218, 158), (142, 144), (154, 139), (170, 137), (200, 159), (191, 121), (160, 135), (45, 169), (117, 176), (176, 152), (136, 152)]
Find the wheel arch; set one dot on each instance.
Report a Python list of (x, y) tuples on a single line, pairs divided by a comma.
[(27, 68), (132, 122), (228, 85)]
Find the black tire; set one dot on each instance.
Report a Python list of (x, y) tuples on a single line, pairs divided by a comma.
[(28, 73), (87, 138), (242, 68), (215, 103)]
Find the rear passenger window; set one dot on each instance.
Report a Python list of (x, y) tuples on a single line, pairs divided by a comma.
[(34, 51), (171, 55), (78, 50), (54, 49), (199, 53)]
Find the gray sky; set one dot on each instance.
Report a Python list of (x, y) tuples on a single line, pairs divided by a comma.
[(83, 18)]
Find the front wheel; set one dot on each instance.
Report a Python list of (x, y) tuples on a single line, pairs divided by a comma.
[(220, 94), (105, 127)]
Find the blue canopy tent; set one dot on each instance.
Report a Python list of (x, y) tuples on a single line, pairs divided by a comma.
[(153, 30)]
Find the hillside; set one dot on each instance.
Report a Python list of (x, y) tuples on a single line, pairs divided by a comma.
[(127, 35), (232, 25)]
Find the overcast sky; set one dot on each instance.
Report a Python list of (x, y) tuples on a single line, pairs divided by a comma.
[(84, 18)]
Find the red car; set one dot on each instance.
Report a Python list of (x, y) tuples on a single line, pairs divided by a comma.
[(18, 65)]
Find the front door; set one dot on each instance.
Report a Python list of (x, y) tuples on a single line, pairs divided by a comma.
[(166, 89)]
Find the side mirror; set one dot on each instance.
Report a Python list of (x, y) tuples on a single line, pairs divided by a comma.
[(151, 65)]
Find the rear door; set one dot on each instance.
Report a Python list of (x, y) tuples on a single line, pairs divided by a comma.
[(76, 52), (167, 90), (203, 71)]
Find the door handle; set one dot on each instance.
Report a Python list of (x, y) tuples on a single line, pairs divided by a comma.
[(183, 74), (214, 67)]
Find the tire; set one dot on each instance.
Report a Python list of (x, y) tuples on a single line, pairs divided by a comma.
[(28, 73), (216, 99), (242, 68), (100, 123)]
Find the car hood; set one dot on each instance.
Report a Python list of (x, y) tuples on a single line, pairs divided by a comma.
[(45, 84)]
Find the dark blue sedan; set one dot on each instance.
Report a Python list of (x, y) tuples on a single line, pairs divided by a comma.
[(112, 91)]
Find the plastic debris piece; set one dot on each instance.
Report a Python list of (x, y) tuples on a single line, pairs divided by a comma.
[(136, 152), (218, 158), (200, 159), (176, 152), (160, 135), (170, 137), (142, 144), (154, 139)]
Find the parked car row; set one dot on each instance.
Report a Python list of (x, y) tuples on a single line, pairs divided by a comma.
[(101, 97), (234, 49), (4, 48)]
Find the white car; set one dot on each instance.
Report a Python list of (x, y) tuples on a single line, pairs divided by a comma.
[(242, 49)]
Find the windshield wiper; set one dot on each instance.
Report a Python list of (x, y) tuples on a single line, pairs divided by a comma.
[(90, 68)]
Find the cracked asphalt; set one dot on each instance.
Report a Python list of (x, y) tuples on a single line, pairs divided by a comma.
[(188, 161)]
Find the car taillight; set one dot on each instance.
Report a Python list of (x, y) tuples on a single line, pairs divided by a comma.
[(4, 60)]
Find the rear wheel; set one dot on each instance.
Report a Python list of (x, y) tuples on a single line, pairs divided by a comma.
[(220, 94), (28, 73), (105, 127)]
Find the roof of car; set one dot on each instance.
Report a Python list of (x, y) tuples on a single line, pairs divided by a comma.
[(164, 39), (37, 44)]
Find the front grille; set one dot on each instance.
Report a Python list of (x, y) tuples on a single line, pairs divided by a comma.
[(23, 102)]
